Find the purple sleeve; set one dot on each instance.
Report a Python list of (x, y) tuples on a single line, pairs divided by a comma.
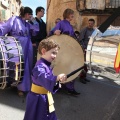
[(44, 78), (57, 27), (6, 27), (34, 29)]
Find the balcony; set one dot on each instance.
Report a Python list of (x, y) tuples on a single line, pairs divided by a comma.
[(97, 6)]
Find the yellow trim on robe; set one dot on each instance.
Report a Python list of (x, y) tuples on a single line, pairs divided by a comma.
[(117, 61), (41, 90)]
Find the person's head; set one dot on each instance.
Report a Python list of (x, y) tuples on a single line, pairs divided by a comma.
[(48, 49), (68, 14), (91, 23), (77, 33), (26, 13), (57, 20), (40, 11)]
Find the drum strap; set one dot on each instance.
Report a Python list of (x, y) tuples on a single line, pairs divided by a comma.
[(41, 90)]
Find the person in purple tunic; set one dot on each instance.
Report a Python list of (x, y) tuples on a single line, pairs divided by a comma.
[(39, 103), (64, 27), (56, 21), (17, 27)]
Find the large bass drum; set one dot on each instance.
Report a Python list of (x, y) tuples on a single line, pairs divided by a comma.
[(11, 62), (70, 56), (101, 53)]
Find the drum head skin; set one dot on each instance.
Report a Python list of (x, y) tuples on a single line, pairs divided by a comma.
[(70, 56)]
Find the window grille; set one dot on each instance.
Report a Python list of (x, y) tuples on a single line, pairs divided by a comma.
[(91, 6), (112, 4)]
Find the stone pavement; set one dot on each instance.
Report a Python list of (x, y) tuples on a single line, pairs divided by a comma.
[(99, 100)]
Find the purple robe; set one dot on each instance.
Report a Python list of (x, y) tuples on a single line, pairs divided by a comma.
[(66, 28), (20, 29), (37, 104)]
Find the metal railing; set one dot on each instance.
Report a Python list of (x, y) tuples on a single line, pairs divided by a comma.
[(112, 4)]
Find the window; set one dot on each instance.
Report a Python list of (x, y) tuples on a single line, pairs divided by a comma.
[(3, 14), (97, 6), (12, 7)]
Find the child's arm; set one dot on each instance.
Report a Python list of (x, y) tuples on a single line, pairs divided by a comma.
[(60, 78), (45, 78)]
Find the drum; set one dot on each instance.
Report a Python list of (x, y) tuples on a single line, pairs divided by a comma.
[(11, 62), (101, 57), (70, 56)]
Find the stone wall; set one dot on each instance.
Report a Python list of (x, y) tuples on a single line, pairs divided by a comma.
[(55, 9), (9, 8)]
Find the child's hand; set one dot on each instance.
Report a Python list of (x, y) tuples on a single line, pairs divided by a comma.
[(57, 32), (61, 77)]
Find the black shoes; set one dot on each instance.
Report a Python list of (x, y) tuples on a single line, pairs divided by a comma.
[(73, 92), (87, 80), (83, 80)]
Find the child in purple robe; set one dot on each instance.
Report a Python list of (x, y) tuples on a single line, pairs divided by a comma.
[(39, 99), (64, 27)]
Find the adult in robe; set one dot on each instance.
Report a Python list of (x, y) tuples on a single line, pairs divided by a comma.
[(18, 27)]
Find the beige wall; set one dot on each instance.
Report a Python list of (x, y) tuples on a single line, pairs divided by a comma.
[(56, 8), (9, 8)]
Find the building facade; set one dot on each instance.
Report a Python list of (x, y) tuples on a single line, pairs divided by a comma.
[(9, 8), (99, 10)]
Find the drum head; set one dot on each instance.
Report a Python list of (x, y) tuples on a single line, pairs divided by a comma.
[(69, 58)]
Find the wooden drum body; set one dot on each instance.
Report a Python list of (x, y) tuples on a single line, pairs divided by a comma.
[(11, 62), (70, 56)]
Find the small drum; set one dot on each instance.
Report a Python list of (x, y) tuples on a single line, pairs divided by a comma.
[(11, 62), (70, 56)]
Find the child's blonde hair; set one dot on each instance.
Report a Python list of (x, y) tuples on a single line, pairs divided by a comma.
[(48, 44)]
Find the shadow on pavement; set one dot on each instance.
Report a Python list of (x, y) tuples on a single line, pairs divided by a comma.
[(99, 100), (9, 96)]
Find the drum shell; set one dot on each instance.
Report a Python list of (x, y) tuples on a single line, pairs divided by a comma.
[(10, 55), (70, 56), (102, 57)]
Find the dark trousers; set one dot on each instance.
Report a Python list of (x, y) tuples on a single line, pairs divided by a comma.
[(83, 73), (69, 85)]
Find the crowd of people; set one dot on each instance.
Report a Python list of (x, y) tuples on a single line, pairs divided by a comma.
[(38, 80)]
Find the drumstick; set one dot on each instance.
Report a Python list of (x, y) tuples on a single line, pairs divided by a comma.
[(75, 71)]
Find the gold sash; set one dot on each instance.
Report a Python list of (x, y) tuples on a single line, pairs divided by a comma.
[(41, 90)]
